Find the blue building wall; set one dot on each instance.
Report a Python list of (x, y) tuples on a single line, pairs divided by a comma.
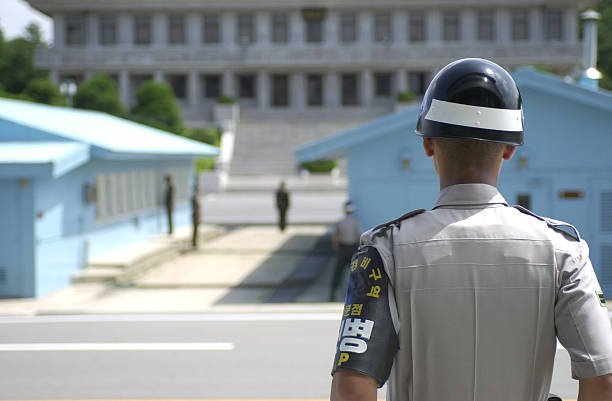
[(16, 264), (67, 231)]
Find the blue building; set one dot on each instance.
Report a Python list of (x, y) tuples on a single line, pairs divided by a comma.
[(76, 183), (564, 170)]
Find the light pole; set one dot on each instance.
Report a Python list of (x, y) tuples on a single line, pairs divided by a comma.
[(68, 88)]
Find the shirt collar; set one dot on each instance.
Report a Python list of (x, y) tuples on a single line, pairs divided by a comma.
[(470, 195)]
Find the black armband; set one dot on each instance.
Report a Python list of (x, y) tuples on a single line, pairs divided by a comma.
[(367, 341)]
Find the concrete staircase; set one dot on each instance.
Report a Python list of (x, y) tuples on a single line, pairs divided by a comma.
[(265, 147)]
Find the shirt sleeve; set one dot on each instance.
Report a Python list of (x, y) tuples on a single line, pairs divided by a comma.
[(581, 316), (367, 341)]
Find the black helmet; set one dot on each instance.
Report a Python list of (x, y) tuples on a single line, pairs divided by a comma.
[(472, 98)]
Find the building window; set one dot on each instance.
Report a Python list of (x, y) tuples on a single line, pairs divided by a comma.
[(349, 90), (211, 29), (383, 29), (280, 90), (246, 86), (553, 24), (450, 26), (524, 200), (416, 27), (486, 25), (178, 83), (520, 25), (348, 27), (75, 30), (245, 29), (417, 82), (211, 86), (314, 89), (107, 29), (313, 19), (382, 84), (176, 30), (142, 30), (280, 28)]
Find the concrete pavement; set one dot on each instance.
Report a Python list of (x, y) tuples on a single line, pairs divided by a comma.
[(237, 271)]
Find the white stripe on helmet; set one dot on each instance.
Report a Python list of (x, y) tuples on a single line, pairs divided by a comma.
[(475, 116)]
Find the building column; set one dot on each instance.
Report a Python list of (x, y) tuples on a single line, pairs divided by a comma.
[(263, 90), (160, 30), (503, 26), (468, 26), (536, 23), (92, 37), (367, 89), (263, 28), (124, 87), (59, 31), (296, 26), (570, 26), (54, 77), (158, 76), (433, 23), (332, 24), (400, 27), (402, 80), (125, 34), (365, 27), (228, 29), (227, 84), (297, 91), (194, 29), (193, 89), (331, 89)]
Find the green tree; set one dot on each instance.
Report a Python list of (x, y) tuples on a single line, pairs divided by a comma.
[(156, 106), (16, 60), (42, 90), (604, 52), (99, 93)]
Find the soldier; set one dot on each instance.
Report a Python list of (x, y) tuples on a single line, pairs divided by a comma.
[(195, 214), (169, 202), (466, 301), (282, 205)]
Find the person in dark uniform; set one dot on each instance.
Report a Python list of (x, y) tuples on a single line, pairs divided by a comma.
[(467, 301), (282, 205), (345, 240), (195, 214), (169, 202)]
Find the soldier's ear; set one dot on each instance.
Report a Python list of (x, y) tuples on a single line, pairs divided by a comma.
[(428, 146), (508, 152)]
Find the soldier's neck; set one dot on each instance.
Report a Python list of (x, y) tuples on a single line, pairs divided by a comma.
[(454, 176)]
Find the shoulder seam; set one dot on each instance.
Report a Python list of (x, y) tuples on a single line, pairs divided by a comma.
[(556, 225), (379, 229)]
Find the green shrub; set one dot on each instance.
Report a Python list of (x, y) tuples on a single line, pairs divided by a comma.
[(156, 106), (211, 136), (405, 97), (226, 99), (320, 166), (99, 93), (42, 90), (203, 164)]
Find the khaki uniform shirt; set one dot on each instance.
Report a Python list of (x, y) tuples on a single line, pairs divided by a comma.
[(479, 294)]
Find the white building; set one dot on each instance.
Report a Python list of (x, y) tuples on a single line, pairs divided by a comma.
[(314, 61)]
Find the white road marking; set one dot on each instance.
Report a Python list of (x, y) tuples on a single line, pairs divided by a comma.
[(212, 317), (39, 347)]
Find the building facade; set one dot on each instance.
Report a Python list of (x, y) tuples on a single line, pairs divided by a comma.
[(295, 58)]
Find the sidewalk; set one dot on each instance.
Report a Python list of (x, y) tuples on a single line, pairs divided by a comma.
[(235, 272)]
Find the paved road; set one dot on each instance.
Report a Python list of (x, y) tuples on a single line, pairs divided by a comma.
[(213, 356)]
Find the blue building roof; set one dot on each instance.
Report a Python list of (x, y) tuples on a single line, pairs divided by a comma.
[(109, 136), (41, 159), (337, 145)]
